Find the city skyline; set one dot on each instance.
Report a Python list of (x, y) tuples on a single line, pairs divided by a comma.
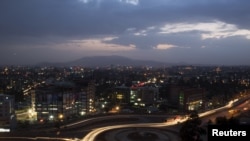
[(195, 32)]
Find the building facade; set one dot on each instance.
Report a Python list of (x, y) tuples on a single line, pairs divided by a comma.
[(186, 99), (7, 112), (143, 95), (90, 95), (121, 95), (191, 99), (59, 101)]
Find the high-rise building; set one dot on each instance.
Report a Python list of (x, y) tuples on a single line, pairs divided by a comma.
[(121, 95), (59, 101), (186, 99), (90, 91), (143, 95), (7, 112)]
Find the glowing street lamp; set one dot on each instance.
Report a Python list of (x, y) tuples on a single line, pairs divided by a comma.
[(60, 116), (117, 108)]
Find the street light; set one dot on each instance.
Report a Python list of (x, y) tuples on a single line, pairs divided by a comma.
[(60, 116)]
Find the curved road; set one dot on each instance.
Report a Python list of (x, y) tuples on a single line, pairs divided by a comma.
[(91, 136)]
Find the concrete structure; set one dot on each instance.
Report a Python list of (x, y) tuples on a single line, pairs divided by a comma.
[(7, 112), (90, 95), (59, 101), (62, 100), (143, 95), (121, 95), (191, 99), (186, 99)]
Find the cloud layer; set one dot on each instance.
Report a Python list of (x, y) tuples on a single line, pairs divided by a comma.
[(200, 32)]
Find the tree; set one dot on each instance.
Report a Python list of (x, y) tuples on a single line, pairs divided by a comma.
[(222, 120), (191, 130)]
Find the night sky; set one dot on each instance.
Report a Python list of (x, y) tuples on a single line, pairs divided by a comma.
[(208, 32)]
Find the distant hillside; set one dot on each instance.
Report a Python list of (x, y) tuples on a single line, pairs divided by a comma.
[(103, 61)]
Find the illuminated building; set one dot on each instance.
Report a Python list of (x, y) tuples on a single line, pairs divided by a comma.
[(90, 95), (186, 99), (59, 101), (7, 113), (143, 95), (121, 95), (191, 99)]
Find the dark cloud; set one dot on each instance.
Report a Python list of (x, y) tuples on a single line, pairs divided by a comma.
[(45, 23), (74, 18)]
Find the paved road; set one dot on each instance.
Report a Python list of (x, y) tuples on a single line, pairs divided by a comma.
[(76, 129), (139, 134)]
